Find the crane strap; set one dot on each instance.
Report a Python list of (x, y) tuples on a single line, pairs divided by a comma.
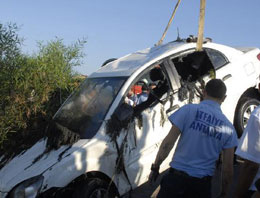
[(169, 23)]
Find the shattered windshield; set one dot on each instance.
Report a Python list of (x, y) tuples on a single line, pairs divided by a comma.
[(85, 110)]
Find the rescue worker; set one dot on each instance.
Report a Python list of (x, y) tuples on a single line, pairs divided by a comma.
[(203, 132), (249, 150), (142, 97)]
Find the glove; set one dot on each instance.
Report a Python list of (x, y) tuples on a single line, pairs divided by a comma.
[(154, 173)]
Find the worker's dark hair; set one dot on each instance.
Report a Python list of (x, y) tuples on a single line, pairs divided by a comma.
[(216, 88), (156, 74)]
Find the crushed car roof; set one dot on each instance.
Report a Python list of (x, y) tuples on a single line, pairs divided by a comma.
[(126, 65)]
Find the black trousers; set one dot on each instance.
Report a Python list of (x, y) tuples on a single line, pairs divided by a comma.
[(178, 184)]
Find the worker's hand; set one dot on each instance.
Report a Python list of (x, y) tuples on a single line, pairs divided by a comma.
[(154, 174)]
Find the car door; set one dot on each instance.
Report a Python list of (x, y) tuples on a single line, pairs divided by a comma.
[(154, 120), (148, 130)]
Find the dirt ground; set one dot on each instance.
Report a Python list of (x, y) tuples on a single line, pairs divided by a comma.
[(150, 191)]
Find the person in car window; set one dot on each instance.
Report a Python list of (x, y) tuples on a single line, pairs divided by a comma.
[(155, 94), (142, 97), (203, 131), (131, 97)]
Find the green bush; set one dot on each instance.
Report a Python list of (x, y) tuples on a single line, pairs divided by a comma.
[(33, 86), (9, 58)]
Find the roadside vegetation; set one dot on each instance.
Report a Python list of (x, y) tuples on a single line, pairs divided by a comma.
[(33, 86)]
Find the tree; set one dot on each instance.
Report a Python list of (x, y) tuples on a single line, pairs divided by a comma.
[(9, 56), (32, 86)]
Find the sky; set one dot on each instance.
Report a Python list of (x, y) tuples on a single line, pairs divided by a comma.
[(115, 28)]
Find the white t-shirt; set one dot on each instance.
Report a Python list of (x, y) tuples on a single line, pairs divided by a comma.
[(249, 144)]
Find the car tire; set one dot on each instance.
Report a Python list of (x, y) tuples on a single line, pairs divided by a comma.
[(94, 188), (244, 109)]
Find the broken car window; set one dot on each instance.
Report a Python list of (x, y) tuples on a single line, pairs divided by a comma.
[(218, 59), (85, 110), (153, 95), (193, 66)]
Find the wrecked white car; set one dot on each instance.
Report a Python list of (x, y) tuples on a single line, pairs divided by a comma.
[(119, 129)]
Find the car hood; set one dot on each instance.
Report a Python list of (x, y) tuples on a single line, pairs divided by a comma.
[(32, 162)]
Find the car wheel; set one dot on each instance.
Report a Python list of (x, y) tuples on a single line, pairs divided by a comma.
[(94, 188), (245, 107)]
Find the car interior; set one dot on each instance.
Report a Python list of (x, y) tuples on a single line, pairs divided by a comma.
[(193, 66), (194, 70)]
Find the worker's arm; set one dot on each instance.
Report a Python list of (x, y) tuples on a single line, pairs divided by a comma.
[(246, 177), (167, 145), (227, 171), (164, 150)]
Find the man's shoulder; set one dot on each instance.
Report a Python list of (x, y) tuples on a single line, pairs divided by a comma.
[(189, 106), (192, 105)]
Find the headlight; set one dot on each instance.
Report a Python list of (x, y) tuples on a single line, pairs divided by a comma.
[(28, 188)]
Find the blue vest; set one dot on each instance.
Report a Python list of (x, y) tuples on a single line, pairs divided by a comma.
[(205, 132)]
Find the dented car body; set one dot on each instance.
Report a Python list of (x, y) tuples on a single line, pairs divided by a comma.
[(118, 141)]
